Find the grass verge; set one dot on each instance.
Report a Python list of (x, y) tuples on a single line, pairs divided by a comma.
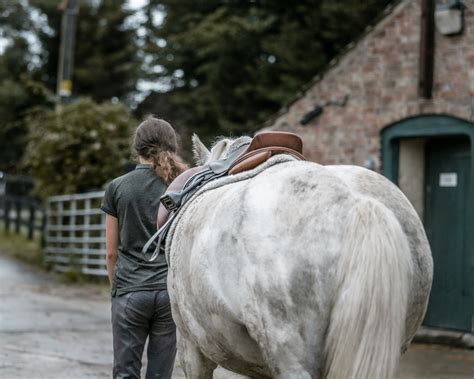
[(20, 247), (29, 251)]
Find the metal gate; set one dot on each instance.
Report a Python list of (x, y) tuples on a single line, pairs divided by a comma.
[(75, 233)]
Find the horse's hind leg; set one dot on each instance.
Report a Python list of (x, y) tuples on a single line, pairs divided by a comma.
[(194, 363)]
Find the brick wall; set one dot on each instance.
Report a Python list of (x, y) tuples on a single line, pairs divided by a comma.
[(379, 76)]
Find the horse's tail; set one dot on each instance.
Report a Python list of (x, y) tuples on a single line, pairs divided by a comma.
[(367, 323)]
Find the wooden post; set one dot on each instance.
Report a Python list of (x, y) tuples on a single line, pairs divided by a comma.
[(87, 226), (427, 47), (31, 223), (18, 207), (59, 232), (44, 229), (66, 50), (72, 233), (6, 215)]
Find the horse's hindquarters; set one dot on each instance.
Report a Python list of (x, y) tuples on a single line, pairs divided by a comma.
[(254, 263)]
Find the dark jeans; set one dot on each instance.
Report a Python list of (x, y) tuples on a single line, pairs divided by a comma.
[(136, 316)]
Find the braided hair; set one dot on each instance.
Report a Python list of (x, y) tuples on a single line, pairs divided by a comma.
[(155, 140)]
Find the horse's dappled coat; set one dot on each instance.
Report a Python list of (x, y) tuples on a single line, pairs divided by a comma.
[(300, 271)]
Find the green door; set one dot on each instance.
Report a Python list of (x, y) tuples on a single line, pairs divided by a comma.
[(446, 196)]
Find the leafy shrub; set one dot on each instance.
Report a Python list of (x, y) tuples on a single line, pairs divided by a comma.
[(79, 148)]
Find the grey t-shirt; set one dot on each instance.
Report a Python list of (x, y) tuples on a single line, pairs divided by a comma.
[(133, 199)]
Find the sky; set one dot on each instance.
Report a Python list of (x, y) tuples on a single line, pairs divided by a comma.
[(144, 87), (137, 3), (134, 4)]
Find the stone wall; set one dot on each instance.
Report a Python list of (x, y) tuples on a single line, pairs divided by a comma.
[(379, 78)]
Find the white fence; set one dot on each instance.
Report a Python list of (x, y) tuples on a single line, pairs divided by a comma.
[(75, 233)]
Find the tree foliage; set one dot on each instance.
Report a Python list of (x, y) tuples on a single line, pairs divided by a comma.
[(231, 64), (80, 148), (18, 93), (106, 62), (223, 67)]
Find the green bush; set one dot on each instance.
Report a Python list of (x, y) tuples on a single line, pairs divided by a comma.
[(78, 149)]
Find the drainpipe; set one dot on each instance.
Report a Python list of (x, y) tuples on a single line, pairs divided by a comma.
[(427, 47)]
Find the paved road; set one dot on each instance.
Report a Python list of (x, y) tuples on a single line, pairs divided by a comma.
[(57, 331)]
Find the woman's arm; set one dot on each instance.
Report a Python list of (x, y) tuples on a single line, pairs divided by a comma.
[(111, 243)]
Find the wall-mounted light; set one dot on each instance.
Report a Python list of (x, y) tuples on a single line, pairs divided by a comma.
[(449, 17), (312, 114), (319, 108)]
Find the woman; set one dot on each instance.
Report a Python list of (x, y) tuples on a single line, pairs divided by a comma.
[(140, 302)]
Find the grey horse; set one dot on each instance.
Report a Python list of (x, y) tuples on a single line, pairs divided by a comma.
[(297, 270)]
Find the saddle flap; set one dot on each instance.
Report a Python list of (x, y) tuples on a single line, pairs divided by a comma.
[(252, 160)]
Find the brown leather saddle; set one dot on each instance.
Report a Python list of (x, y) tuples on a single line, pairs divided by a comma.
[(263, 146)]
